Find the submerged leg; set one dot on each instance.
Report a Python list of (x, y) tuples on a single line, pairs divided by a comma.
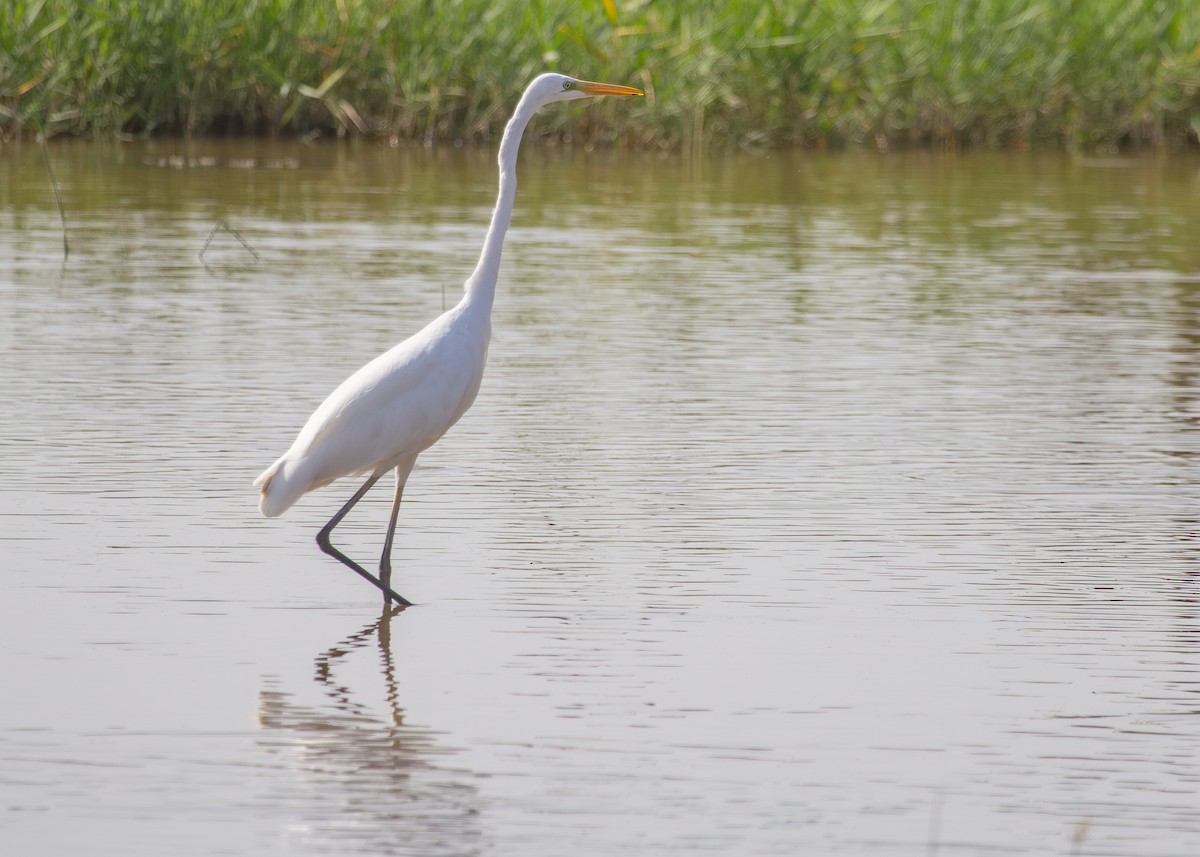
[(323, 542), (385, 560)]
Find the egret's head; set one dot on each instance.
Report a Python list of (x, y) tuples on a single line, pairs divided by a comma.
[(558, 87)]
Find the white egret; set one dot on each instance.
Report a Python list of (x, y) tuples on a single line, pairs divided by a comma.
[(398, 405)]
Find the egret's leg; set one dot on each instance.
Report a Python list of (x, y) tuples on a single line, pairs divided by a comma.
[(323, 542), (385, 559)]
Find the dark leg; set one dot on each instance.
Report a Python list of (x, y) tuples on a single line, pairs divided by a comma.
[(385, 559), (323, 542)]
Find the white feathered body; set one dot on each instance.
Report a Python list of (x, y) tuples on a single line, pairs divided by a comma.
[(387, 412), (400, 403)]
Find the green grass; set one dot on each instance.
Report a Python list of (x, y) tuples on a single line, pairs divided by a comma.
[(1081, 74)]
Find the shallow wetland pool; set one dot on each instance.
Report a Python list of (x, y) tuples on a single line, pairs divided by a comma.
[(813, 504)]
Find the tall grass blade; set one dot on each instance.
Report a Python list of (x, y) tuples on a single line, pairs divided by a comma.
[(62, 212)]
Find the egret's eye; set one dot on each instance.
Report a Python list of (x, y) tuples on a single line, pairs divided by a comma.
[(568, 84)]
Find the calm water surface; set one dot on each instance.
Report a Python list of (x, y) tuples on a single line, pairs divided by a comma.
[(812, 505)]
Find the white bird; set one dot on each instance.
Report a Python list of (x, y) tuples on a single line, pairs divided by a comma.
[(398, 405)]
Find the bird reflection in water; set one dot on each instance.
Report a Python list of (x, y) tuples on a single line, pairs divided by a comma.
[(364, 780)]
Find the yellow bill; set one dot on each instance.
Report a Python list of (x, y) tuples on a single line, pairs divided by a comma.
[(607, 89)]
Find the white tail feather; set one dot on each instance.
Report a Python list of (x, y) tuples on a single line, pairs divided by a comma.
[(282, 485)]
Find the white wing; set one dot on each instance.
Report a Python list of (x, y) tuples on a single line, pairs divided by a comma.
[(388, 411)]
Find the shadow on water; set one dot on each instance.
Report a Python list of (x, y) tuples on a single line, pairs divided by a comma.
[(364, 779)]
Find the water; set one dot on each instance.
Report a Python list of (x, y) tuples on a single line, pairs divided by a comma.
[(813, 504)]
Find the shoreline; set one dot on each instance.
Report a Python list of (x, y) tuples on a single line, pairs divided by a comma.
[(1105, 77)]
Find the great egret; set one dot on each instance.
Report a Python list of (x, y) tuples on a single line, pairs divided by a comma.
[(398, 405)]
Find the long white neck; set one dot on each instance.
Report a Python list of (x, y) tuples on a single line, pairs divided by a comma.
[(481, 285)]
